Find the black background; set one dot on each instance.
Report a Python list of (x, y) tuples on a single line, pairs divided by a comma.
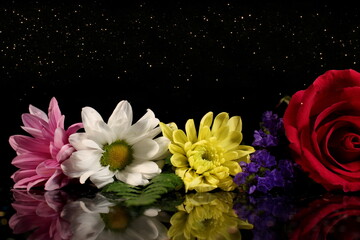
[(181, 59)]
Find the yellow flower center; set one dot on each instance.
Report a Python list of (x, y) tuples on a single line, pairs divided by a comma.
[(205, 156), (117, 219), (116, 155)]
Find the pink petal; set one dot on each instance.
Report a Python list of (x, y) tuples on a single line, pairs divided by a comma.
[(54, 114), (29, 160), (60, 138), (56, 181), (22, 174), (37, 112), (45, 169), (34, 132), (33, 121), (53, 150), (64, 153), (74, 128), (27, 179), (23, 144), (35, 183)]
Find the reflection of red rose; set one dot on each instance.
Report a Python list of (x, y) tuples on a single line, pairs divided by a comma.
[(322, 124), (40, 215), (334, 217)]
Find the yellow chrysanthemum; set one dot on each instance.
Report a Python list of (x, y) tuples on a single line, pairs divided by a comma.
[(210, 158), (207, 216)]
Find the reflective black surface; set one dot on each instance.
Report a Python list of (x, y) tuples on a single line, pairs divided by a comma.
[(66, 214), (180, 59)]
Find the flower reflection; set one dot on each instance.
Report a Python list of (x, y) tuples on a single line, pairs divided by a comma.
[(268, 213), (40, 214), (98, 218), (207, 216), (330, 217)]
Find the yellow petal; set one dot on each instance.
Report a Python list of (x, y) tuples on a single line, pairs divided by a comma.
[(204, 133), (166, 130), (235, 123), (227, 184), (191, 131), (211, 179), (244, 150), (206, 120), (181, 172), (179, 160), (234, 167), (221, 133), (220, 120), (179, 137), (191, 180), (231, 155), (232, 141), (202, 166), (220, 172), (173, 148)]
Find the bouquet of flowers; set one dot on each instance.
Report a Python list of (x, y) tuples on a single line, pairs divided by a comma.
[(318, 137)]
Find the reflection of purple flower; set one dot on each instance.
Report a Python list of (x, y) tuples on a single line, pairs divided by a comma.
[(267, 213)]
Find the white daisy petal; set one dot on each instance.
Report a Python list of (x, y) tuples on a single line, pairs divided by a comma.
[(134, 179), (148, 167), (122, 115), (90, 118), (102, 177), (85, 176), (102, 135), (81, 162), (145, 149), (163, 151), (145, 124), (80, 141)]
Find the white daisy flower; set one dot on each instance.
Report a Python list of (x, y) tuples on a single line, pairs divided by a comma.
[(130, 152)]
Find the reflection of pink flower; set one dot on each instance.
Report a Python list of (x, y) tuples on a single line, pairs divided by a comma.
[(333, 217), (40, 215), (39, 157)]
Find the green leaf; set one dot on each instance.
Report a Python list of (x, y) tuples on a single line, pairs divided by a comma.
[(148, 194)]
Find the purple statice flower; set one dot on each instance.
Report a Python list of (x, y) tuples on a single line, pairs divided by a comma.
[(265, 171), (253, 167), (241, 178), (272, 122), (261, 139), (263, 158), (264, 184)]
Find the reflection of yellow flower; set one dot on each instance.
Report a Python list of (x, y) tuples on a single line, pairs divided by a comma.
[(207, 216), (209, 159)]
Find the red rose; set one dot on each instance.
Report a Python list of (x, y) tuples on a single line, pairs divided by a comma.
[(322, 124), (329, 217)]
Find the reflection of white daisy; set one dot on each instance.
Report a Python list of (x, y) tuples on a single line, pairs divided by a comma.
[(101, 220), (116, 148)]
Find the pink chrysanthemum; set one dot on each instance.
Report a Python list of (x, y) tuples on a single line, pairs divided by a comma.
[(40, 155)]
